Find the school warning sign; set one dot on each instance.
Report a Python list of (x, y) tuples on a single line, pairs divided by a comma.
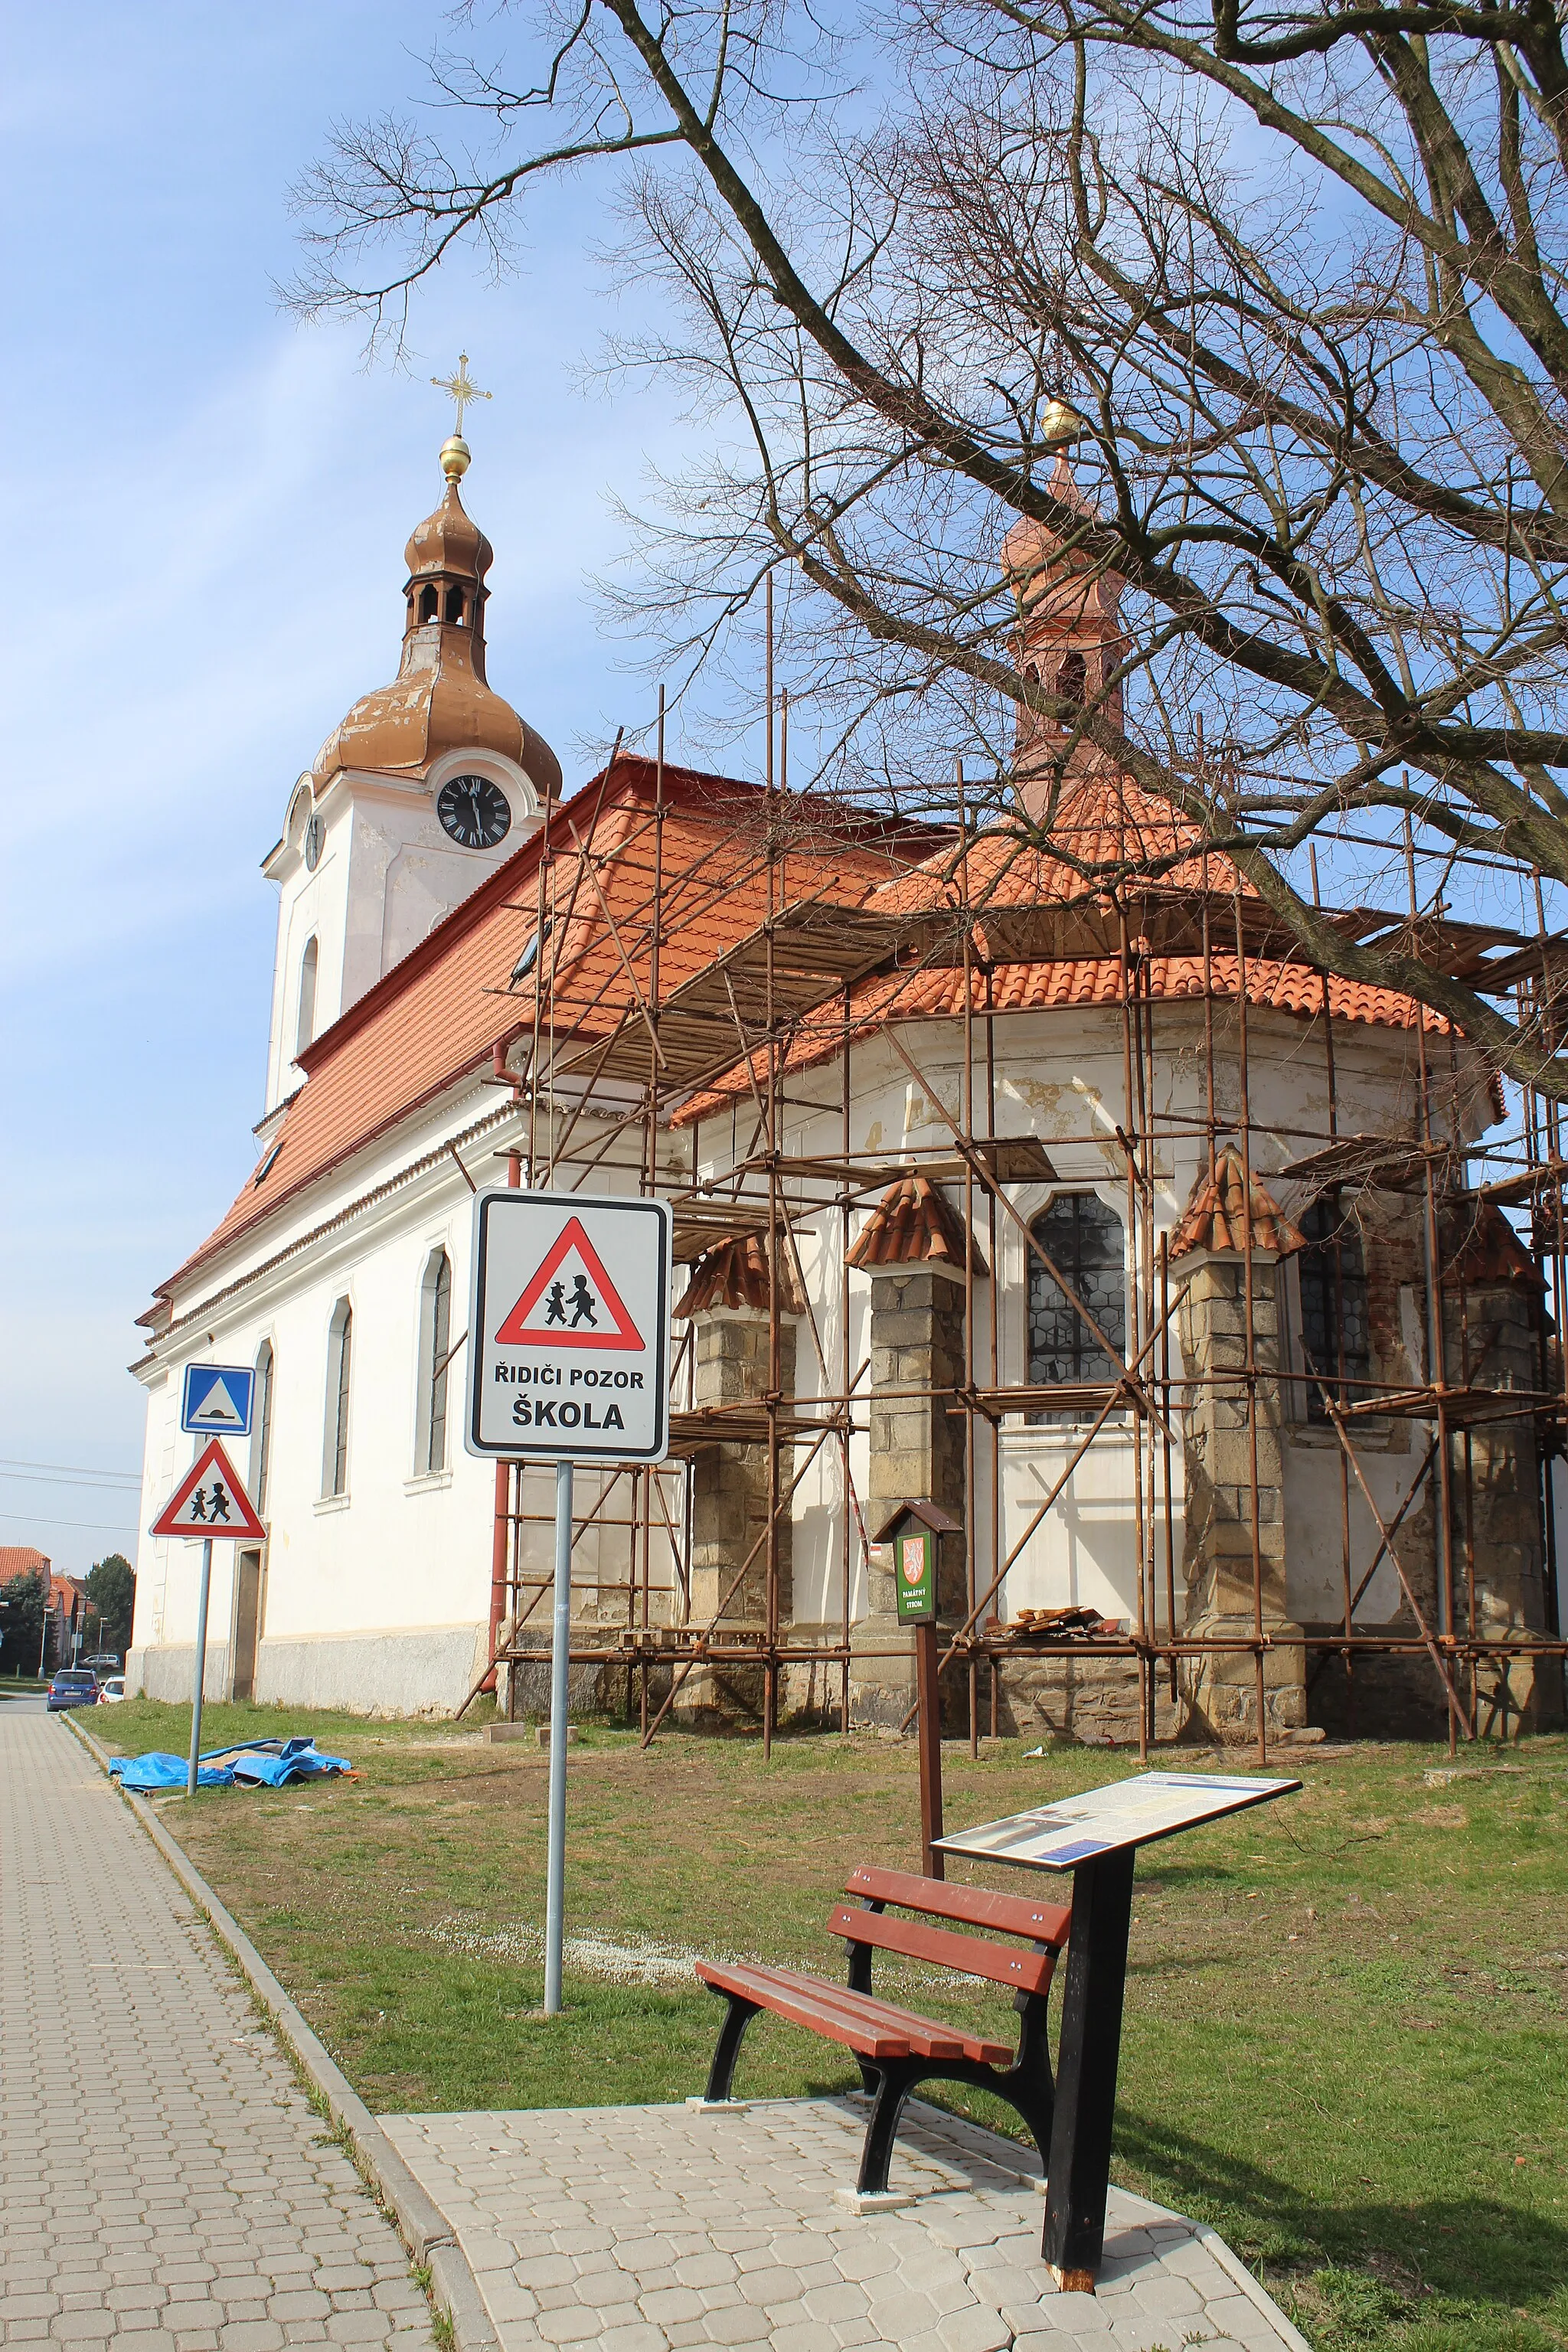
[(569, 1318)]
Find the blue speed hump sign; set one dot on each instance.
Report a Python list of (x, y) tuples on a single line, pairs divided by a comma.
[(215, 1401)]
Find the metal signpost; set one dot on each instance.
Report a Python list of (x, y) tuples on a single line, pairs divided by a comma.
[(568, 1362), (210, 1503)]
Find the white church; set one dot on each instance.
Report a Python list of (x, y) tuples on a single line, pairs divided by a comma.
[(431, 862)]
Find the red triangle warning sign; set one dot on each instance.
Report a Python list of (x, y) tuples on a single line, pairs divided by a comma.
[(570, 1305), (209, 1501)]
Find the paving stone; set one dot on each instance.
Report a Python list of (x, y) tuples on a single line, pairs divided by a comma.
[(171, 2196)]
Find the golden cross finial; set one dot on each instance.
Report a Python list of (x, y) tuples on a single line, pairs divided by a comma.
[(460, 388)]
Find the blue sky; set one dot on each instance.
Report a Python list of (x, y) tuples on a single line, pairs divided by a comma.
[(208, 504)]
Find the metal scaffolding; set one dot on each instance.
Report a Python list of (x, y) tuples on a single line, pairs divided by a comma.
[(608, 1092)]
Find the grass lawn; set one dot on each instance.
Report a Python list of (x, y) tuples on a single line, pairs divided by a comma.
[(1346, 2042)]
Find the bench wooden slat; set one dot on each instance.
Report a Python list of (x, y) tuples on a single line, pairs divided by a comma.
[(928, 2037), (1001, 1963), (801, 2001), (977, 1907), (872, 2028)]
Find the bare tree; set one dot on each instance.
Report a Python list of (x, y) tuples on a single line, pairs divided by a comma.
[(1291, 284)]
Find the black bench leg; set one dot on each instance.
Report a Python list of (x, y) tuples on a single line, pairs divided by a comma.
[(721, 2072), (893, 2088)]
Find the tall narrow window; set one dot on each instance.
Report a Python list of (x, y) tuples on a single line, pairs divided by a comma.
[(262, 1425), (435, 1346), (305, 1021), (1084, 1239), (1336, 1339), (1072, 678), (340, 1351)]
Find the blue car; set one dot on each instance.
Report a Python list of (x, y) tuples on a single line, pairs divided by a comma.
[(72, 1687)]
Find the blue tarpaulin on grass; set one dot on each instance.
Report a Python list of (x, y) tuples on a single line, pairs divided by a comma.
[(158, 1770), (268, 1763)]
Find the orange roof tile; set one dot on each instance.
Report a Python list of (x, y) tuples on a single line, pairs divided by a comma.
[(915, 1225), (1482, 1247), (737, 1274), (436, 1015), (1218, 1215)]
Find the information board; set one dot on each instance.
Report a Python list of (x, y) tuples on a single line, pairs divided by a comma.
[(1138, 1811)]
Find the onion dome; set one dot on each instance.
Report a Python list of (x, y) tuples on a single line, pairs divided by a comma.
[(440, 701)]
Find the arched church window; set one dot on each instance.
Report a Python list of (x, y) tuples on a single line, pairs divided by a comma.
[(435, 1347), (1336, 1339), (454, 606), (429, 603), (261, 1425), (305, 1018), (1072, 678), (340, 1360), (1085, 1238)]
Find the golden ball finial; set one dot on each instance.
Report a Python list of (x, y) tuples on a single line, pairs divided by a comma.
[(456, 457)]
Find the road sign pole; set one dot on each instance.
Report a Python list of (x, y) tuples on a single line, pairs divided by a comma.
[(201, 1664), (560, 1647)]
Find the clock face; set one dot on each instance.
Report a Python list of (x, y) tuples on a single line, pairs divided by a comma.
[(475, 812), (315, 832)]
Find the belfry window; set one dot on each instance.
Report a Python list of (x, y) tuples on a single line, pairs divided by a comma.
[(1336, 1337), (429, 603), (1072, 678), (305, 1016), (340, 1363), (455, 607), (1084, 1239), (435, 1347)]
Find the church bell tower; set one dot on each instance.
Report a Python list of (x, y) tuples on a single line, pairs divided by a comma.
[(422, 790)]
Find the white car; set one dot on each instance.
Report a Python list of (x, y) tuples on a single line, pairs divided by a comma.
[(112, 1691)]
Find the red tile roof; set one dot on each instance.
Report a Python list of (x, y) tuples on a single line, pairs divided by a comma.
[(1049, 942), (932, 995), (21, 1559), (436, 1016)]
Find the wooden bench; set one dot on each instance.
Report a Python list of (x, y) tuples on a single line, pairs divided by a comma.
[(897, 2049)]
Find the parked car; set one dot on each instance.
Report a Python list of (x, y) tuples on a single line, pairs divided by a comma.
[(112, 1690), (72, 1687), (103, 1662)]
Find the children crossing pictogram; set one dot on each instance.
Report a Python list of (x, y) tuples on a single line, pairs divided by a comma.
[(570, 1301), (209, 1501)]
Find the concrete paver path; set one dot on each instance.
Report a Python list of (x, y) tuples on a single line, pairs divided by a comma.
[(653, 2228), (165, 2184)]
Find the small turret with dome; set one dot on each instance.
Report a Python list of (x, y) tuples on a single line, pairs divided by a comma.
[(1069, 637)]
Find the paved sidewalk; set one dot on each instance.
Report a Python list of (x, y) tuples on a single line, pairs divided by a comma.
[(163, 2183), (648, 2229)]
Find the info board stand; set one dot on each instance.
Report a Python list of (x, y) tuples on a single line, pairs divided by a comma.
[(569, 1312), (1097, 1836)]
